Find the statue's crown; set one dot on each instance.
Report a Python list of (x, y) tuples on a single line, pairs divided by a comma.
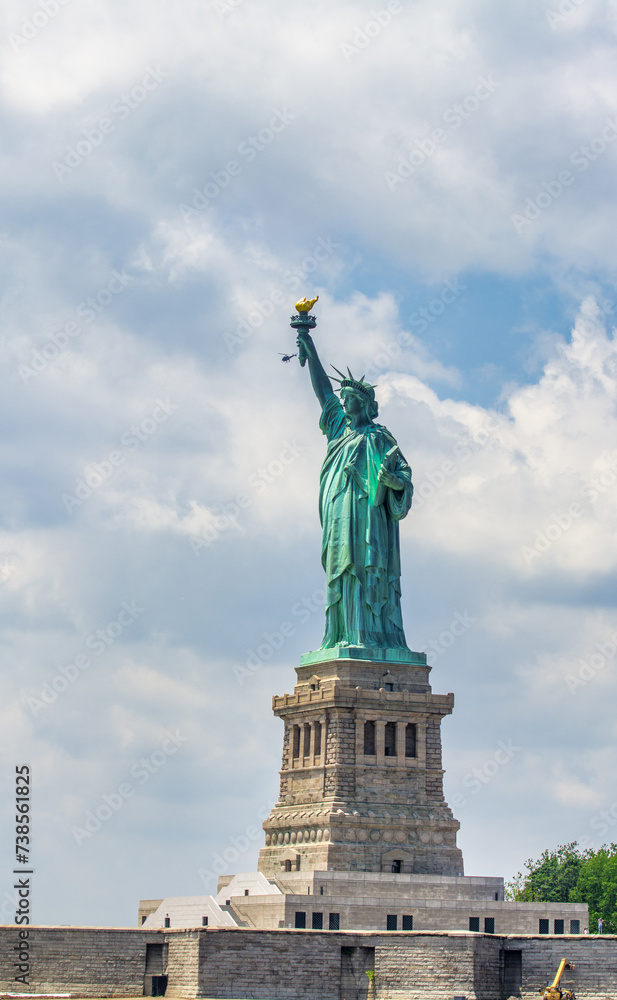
[(349, 382)]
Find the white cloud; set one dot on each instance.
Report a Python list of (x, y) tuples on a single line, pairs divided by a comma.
[(528, 465), (310, 213)]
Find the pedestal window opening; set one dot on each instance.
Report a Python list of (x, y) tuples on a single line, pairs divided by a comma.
[(369, 739)]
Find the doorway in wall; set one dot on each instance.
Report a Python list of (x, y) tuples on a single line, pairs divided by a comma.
[(355, 963)]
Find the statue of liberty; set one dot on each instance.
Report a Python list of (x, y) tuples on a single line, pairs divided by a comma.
[(365, 490)]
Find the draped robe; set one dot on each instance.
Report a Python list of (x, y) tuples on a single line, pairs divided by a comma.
[(360, 546)]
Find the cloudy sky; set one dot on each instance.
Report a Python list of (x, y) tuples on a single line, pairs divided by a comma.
[(175, 175)]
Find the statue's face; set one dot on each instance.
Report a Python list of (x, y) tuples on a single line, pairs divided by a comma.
[(353, 403)]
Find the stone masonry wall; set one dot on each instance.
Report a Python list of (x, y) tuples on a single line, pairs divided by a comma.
[(296, 965), (435, 967), (183, 964), (290, 965), (434, 780), (433, 744), (340, 754), (92, 961), (405, 786), (595, 959), (239, 964), (306, 965), (285, 763)]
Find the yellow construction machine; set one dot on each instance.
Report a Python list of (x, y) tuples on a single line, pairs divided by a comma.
[(553, 992)]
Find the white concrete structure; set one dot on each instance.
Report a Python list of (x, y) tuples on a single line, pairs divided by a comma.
[(184, 911), (205, 911), (364, 901), (246, 884)]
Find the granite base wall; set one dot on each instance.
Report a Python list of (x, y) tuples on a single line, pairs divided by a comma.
[(300, 965), (594, 976), (85, 961), (240, 964)]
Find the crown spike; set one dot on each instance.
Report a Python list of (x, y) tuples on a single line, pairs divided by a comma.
[(349, 382)]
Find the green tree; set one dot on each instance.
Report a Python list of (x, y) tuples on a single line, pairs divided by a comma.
[(597, 886), (569, 875), (551, 878)]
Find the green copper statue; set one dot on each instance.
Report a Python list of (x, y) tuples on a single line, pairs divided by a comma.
[(365, 490)]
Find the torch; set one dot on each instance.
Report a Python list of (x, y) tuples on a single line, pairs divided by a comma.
[(303, 322)]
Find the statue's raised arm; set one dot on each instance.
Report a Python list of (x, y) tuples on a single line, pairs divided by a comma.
[(320, 381)]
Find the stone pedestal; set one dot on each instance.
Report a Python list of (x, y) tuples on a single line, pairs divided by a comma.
[(361, 778)]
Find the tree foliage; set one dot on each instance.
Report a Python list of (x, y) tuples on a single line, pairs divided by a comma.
[(597, 886), (549, 879), (570, 875)]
